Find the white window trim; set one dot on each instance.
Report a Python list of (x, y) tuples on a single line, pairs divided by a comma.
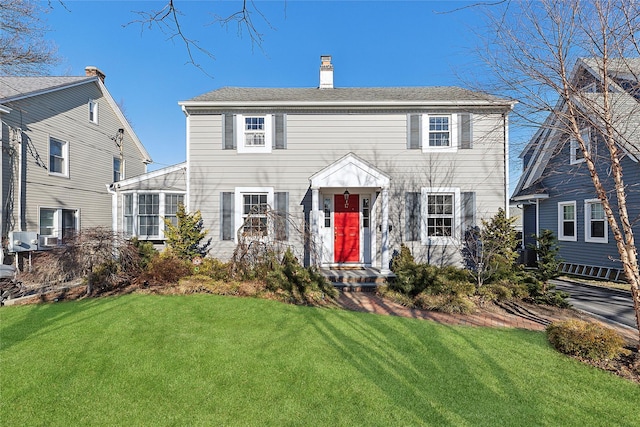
[(453, 134), (96, 109), (135, 212), (65, 156), (238, 204), (574, 146), (424, 213), (268, 134), (587, 224), (561, 235)]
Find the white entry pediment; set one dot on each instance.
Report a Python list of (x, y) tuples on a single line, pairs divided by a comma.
[(350, 171)]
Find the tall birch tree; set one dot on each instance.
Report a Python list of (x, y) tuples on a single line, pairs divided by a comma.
[(533, 47)]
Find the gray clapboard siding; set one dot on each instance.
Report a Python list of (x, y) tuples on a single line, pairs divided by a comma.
[(316, 140), (64, 115)]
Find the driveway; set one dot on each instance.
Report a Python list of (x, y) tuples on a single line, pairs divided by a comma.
[(611, 304)]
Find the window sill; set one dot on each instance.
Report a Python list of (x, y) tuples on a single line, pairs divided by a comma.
[(596, 240), (567, 239)]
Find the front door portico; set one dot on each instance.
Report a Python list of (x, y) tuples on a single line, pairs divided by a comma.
[(349, 197)]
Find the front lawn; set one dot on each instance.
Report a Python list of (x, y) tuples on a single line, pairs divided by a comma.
[(211, 360)]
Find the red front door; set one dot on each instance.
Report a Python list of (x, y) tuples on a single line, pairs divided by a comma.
[(346, 247)]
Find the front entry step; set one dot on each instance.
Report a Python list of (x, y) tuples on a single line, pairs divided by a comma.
[(356, 279)]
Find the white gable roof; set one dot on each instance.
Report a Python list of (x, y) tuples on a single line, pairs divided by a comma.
[(350, 171)]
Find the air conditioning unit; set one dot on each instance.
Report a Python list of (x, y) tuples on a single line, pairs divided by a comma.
[(22, 241), (48, 242)]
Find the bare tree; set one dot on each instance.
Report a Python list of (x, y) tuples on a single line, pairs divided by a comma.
[(168, 20), (23, 49), (534, 49)]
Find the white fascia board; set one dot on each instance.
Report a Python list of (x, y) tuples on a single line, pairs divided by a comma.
[(4, 109), (333, 104), (151, 175), (530, 197)]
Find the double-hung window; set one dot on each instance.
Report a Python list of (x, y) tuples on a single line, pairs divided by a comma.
[(254, 215), (58, 157), (255, 133), (57, 225), (595, 222), (93, 111), (143, 213), (576, 155), (149, 214), (441, 214), (171, 203), (567, 229), (440, 132), (117, 169)]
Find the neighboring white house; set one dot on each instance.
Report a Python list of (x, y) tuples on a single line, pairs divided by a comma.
[(357, 171), (64, 140)]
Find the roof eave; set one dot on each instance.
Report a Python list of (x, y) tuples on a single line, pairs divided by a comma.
[(359, 104)]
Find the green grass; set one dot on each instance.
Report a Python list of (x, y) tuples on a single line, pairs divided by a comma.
[(212, 361)]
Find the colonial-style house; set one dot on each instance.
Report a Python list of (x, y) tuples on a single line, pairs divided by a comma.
[(64, 141), (354, 172), (556, 191)]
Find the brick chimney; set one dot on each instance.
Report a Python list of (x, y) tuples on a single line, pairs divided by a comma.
[(92, 71), (326, 72)]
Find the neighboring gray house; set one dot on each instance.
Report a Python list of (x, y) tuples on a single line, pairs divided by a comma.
[(356, 171), (140, 203), (64, 140), (556, 191)]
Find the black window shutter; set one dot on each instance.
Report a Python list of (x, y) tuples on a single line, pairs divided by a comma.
[(281, 217), (412, 216), (468, 210), (280, 131), (228, 131), (464, 131), (226, 214), (414, 131)]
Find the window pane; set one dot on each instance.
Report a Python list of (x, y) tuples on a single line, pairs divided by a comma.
[(47, 217), (597, 211), (568, 229), (327, 212), (597, 229), (568, 212), (56, 156)]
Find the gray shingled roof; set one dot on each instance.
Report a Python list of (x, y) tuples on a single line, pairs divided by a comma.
[(379, 94), (15, 87)]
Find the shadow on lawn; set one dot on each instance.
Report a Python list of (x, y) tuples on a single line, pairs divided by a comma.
[(34, 320), (416, 380)]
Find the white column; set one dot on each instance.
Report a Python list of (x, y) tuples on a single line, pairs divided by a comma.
[(315, 231), (384, 268)]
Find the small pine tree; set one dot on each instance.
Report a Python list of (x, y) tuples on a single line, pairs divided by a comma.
[(547, 254), (499, 237), (185, 238)]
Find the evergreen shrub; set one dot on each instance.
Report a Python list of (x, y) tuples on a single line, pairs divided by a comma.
[(585, 339)]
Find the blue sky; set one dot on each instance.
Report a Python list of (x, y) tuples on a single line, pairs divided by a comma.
[(373, 43)]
